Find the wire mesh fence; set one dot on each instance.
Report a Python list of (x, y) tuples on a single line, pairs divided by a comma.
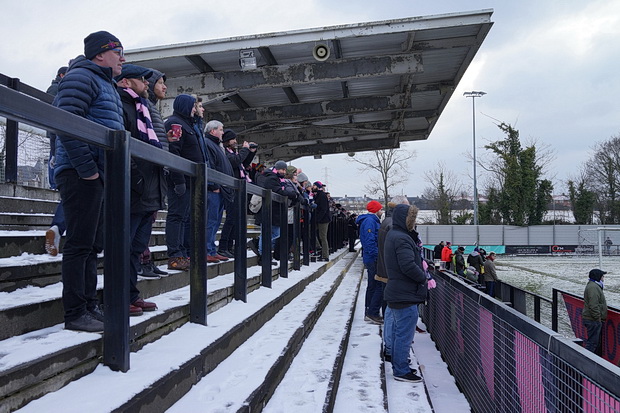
[(505, 362), (33, 150)]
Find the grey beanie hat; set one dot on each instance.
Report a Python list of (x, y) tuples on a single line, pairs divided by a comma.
[(302, 177), (280, 165)]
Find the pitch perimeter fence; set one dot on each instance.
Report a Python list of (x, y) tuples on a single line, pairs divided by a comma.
[(503, 361)]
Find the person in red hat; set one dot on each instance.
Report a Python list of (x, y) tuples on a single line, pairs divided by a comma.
[(369, 237)]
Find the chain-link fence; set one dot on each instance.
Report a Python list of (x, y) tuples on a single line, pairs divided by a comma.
[(32, 157), (505, 362)]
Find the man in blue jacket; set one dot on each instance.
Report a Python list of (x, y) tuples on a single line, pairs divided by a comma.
[(369, 237), (88, 90), (405, 289)]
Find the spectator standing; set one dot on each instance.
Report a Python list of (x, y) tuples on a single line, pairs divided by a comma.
[(608, 244), (58, 227), (459, 260), (188, 145), (369, 237), (240, 161), (594, 309), (446, 254), (475, 260), (352, 231), (217, 195), (271, 179), (87, 90), (156, 91), (490, 274), (323, 217), (147, 179), (406, 287), (437, 250)]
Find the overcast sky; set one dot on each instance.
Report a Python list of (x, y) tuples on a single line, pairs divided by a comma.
[(550, 68)]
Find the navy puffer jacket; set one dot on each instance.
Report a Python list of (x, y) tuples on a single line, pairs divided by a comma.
[(89, 91), (369, 236), (406, 277)]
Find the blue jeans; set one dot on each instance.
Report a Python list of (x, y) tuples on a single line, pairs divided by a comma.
[(388, 331), (215, 210), (490, 288), (59, 219), (374, 290), (140, 225), (594, 334), (177, 223), (83, 206), (405, 320), (275, 234)]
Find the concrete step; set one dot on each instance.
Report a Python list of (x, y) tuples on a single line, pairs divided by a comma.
[(197, 350)]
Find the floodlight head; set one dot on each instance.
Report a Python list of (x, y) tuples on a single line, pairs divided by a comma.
[(474, 94)]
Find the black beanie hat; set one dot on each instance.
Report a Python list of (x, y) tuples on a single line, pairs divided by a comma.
[(228, 135), (100, 42), (596, 274)]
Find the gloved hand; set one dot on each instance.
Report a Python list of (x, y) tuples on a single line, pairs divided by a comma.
[(431, 284), (180, 189)]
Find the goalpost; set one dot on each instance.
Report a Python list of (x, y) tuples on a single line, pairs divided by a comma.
[(584, 235)]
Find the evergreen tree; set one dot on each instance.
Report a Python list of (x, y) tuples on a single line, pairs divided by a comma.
[(582, 201)]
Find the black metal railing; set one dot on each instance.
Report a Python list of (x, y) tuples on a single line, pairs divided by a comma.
[(20, 103), (505, 362)]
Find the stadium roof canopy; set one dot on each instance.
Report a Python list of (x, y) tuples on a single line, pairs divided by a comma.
[(339, 89)]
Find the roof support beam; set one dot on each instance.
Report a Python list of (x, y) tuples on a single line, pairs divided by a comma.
[(199, 63), (297, 74)]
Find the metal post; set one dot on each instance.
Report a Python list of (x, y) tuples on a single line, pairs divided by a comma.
[(241, 252), (117, 246), (198, 265), (473, 96), (265, 231), (12, 142), (283, 238)]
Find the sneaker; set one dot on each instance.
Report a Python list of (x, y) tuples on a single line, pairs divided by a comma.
[(253, 245), (226, 253), (144, 305), (221, 257), (134, 311), (410, 377), (178, 263), (86, 322), (146, 271), (52, 241), (374, 319), (97, 313), (157, 271)]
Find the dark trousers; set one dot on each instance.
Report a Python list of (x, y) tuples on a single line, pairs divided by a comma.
[(229, 229), (140, 225), (594, 335), (177, 223), (83, 206), (490, 288), (374, 290)]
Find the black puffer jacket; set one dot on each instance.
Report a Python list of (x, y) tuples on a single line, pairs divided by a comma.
[(403, 261), (148, 185), (270, 180)]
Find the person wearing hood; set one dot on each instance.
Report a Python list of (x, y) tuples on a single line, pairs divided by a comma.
[(87, 90), (475, 260), (459, 261), (594, 312), (405, 289), (189, 146), (218, 196), (369, 237), (323, 217)]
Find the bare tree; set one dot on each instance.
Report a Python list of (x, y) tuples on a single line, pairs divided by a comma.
[(442, 192), (389, 167)]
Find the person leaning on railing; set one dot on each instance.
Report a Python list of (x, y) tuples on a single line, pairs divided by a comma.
[(594, 309)]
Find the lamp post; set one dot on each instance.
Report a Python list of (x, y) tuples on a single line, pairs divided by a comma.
[(473, 95)]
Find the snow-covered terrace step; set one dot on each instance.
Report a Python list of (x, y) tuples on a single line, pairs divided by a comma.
[(32, 308), (161, 372), (45, 360)]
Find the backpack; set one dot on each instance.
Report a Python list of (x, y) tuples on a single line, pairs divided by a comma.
[(256, 202)]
